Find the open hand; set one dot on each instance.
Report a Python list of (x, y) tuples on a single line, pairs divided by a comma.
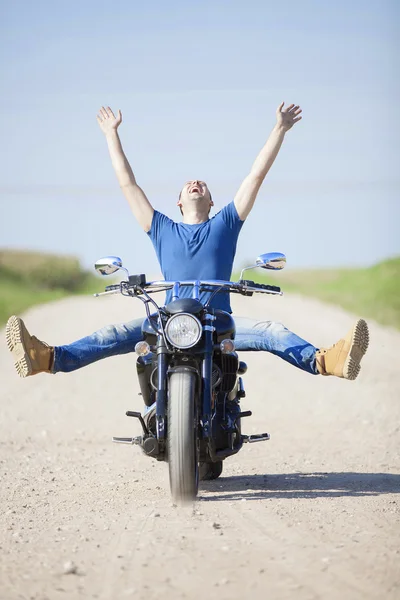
[(107, 120), (287, 117)]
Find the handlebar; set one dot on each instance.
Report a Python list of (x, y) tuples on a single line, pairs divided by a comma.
[(261, 286), (110, 288), (245, 287)]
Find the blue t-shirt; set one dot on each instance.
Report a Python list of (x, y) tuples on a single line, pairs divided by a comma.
[(203, 251)]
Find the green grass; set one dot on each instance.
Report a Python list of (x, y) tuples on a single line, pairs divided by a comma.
[(16, 297), (372, 292), (29, 278)]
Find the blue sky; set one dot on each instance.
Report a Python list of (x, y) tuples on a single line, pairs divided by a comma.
[(198, 85)]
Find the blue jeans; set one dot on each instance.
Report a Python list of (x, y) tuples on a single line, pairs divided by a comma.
[(251, 335)]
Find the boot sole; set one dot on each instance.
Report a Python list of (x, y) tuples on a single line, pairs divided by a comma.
[(359, 345), (15, 343)]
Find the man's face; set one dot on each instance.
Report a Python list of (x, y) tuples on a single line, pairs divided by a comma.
[(195, 191)]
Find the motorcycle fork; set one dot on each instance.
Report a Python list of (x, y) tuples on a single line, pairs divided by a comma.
[(161, 395), (206, 375)]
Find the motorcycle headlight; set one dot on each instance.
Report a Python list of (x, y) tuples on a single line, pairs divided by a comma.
[(183, 330)]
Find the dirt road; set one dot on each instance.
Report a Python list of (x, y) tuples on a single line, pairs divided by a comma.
[(313, 513)]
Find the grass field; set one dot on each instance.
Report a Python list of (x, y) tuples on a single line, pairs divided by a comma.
[(372, 292), (29, 278)]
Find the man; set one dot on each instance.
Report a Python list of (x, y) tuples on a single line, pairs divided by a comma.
[(196, 248)]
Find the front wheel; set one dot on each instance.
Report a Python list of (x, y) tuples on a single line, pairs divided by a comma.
[(182, 437)]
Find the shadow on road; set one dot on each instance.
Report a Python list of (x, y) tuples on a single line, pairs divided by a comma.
[(300, 485)]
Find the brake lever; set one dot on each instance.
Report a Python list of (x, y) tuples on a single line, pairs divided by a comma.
[(108, 293)]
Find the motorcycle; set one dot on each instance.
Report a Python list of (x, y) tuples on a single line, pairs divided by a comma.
[(190, 376)]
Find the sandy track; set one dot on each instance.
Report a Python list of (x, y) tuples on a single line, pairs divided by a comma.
[(314, 513)]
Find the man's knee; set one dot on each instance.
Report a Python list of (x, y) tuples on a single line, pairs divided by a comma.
[(111, 334), (270, 327)]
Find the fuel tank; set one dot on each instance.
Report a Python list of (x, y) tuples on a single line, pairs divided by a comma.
[(186, 305)]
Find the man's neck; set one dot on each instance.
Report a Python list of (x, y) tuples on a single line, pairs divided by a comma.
[(194, 217)]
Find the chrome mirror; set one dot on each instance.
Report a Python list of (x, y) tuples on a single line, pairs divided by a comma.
[(108, 265), (272, 260)]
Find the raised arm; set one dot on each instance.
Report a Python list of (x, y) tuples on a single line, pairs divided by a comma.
[(247, 193), (140, 206)]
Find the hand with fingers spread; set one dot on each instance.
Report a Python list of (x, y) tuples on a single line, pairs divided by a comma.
[(108, 121), (287, 117)]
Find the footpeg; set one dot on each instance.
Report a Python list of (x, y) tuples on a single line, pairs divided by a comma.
[(128, 440), (245, 413), (257, 437)]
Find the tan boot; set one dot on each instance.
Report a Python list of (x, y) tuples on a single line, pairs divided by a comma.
[(31, 355), (343, 358)]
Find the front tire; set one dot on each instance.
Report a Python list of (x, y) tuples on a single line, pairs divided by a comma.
[(182, 437)]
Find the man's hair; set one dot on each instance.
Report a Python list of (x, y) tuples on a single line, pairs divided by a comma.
[(180, 194)]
